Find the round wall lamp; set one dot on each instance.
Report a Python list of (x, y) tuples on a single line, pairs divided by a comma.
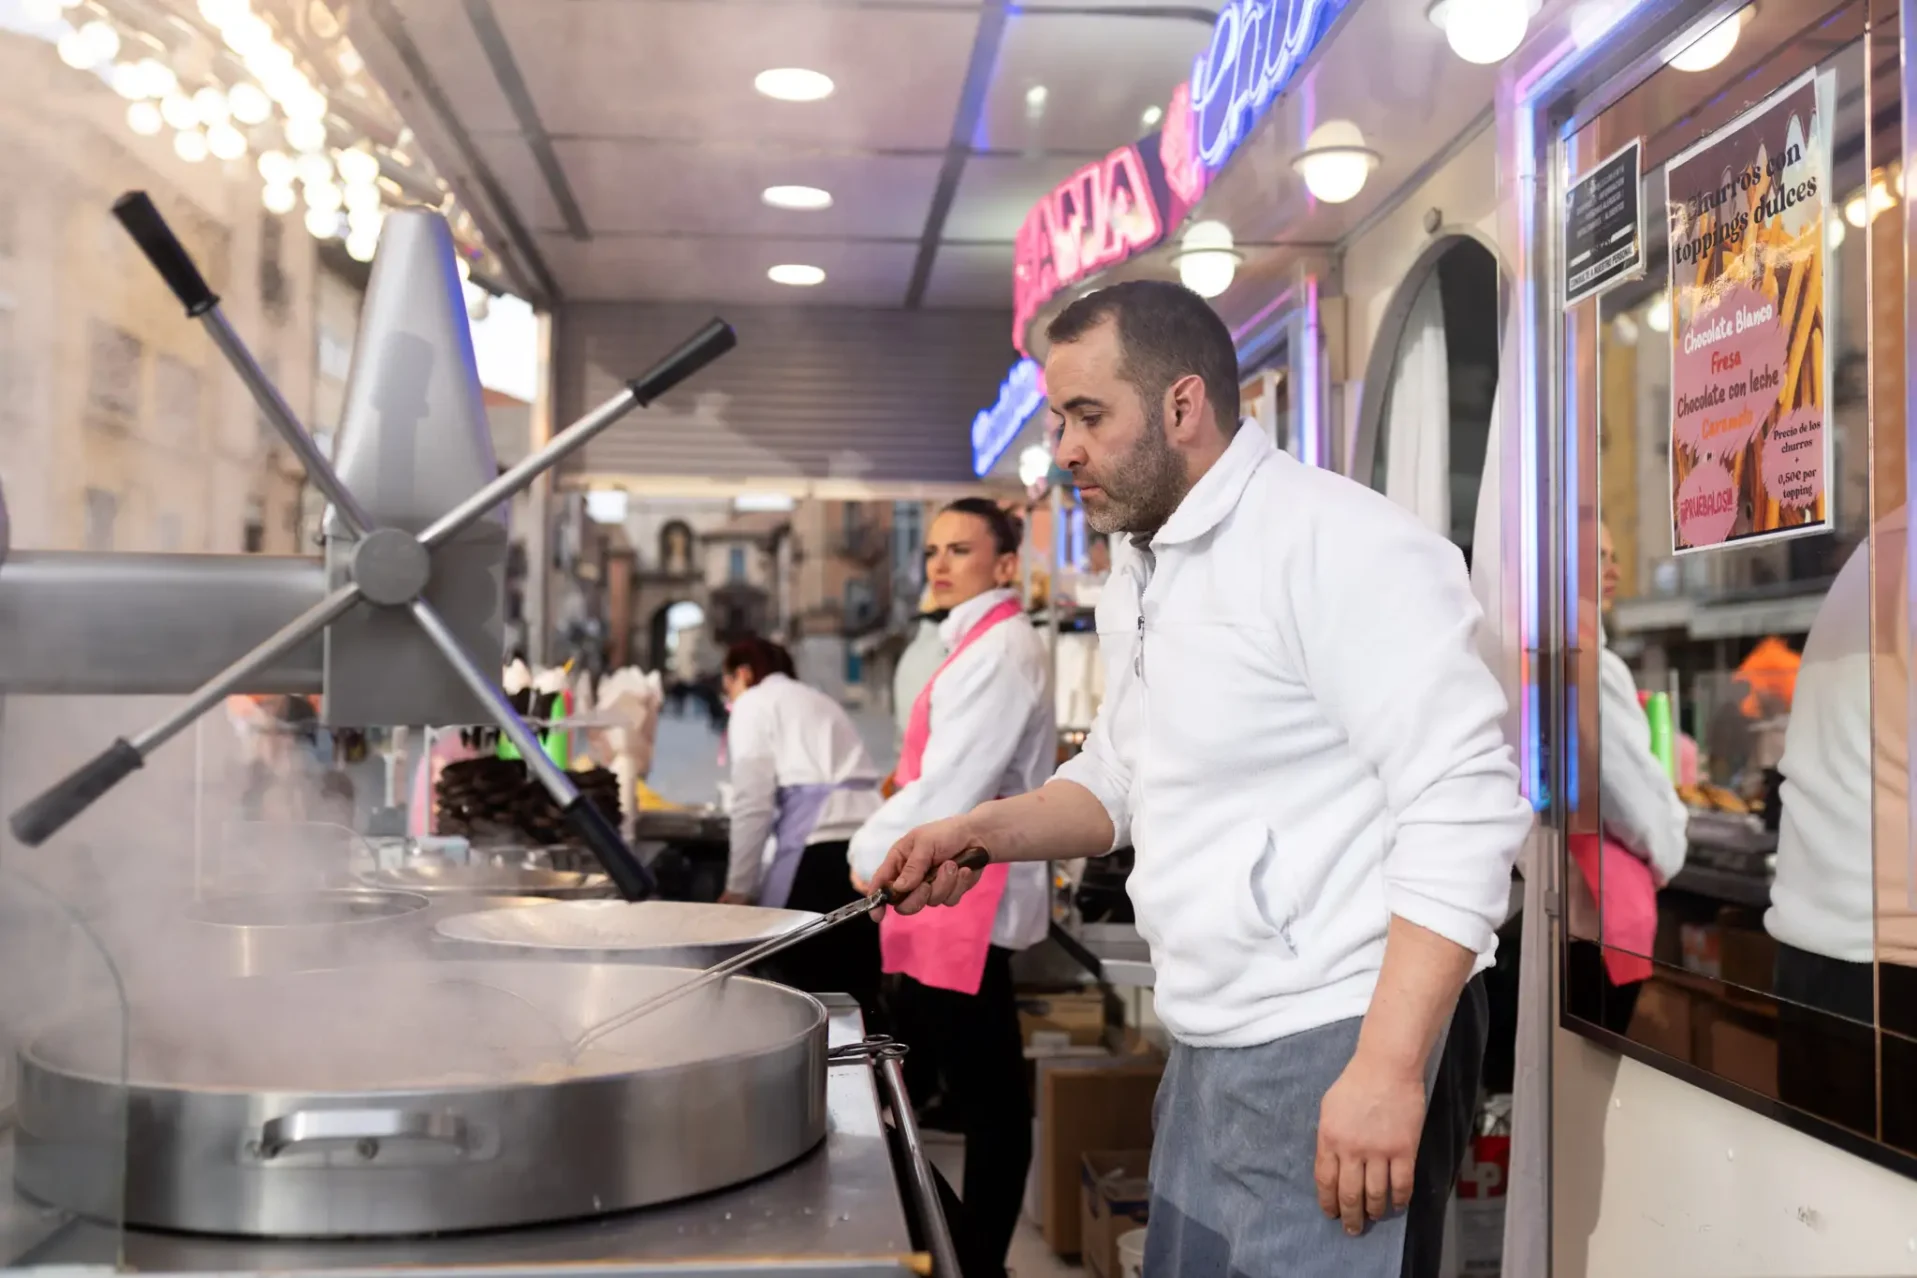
[(1715, 45), (1207, 259), (1335, 163), (1481, 31)]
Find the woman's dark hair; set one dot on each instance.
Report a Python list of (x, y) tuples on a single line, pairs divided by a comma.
[(762, 657), (1007, 530)]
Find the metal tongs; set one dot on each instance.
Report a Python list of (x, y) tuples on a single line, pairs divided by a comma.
[(971, 859)]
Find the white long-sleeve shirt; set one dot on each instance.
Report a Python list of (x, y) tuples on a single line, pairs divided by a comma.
[(1823, 899), (785, 733), (1299, 740), (1638, 805), (993, 735)]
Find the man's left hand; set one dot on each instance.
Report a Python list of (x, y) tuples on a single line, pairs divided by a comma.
[(1368, 1131)]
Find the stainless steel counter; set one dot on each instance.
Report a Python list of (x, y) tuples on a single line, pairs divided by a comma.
[(836, 1211), (1123, 954)]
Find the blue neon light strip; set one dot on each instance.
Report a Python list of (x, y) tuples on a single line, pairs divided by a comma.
[(993, 430), (1256, 47), (1534, 89)]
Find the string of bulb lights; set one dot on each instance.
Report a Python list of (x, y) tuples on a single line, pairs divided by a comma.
[(256, 99)]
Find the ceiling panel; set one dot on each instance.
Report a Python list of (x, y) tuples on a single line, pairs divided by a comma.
[(997, 191), (641, 186), (678, 269), (972, 275), (662, 68), (511, 161), (1087, 107), (444, 36)]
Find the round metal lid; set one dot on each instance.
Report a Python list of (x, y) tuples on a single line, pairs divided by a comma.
[(607, 926)]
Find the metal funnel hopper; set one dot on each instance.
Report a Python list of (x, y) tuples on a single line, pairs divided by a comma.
[(413, 443)]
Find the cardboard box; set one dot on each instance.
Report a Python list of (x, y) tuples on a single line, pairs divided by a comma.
[(1114, 1198), (1074, 1018), (1085, 1106)]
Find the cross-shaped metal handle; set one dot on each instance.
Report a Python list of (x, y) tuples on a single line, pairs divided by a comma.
[(391, 568)]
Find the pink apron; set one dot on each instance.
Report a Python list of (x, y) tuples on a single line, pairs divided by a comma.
[(1626, 895), (944, 948)]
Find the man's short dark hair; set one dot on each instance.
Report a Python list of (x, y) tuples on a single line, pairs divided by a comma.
[(1165, 332)]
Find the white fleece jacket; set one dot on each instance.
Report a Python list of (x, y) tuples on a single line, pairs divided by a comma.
[(1300, 740)]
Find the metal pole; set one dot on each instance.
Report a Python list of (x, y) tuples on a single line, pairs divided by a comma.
[(318, 469), (634, 881), (938, 1234), (215, 690), (710, 342), (41, 818)]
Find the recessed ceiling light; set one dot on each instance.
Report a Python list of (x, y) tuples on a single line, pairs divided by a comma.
[(797, 276), (793, 84), (1152, 116), (806, 198), (1035, 97)]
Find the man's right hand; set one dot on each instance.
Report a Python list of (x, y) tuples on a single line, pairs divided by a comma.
[(918, 869)]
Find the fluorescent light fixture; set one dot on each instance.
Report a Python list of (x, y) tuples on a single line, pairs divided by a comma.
[(796, 275), (764, 503), (793, 84), (802, 198)]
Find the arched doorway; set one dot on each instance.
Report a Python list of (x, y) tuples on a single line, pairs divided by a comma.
[(1431, 387), (678, 634)]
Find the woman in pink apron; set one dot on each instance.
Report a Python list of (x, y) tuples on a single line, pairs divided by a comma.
[(1642, 844), (803, 783), (983, 728)]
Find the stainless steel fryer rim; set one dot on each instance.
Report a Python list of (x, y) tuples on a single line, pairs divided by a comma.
[(414, 903), (28, 1056)]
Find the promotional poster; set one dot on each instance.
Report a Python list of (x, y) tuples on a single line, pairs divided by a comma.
[(1750, 443)]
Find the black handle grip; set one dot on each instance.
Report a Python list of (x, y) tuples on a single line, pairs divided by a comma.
[(627, 872), (162, 248), (693, 354), (43, 817)]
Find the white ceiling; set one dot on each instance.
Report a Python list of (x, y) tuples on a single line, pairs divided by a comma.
[(616, 149)]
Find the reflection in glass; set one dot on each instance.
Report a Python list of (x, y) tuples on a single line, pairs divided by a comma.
[(1821, 913), (1642, 843)]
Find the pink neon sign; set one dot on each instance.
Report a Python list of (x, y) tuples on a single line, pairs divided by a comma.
[(1108, 211)]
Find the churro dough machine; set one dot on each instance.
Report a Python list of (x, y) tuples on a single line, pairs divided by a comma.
[(421, 1114)]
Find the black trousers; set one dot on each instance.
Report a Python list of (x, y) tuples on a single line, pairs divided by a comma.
[(1826, 1042), (981, 1055), (1447, 1131), (844, 960)]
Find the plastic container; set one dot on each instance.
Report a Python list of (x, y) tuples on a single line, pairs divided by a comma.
[(1663, 732), (1131, 1254)]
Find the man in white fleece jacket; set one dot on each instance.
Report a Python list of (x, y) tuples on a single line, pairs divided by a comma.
[(1303, 746)]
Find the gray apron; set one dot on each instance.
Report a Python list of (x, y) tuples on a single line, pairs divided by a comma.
[(799, 807)]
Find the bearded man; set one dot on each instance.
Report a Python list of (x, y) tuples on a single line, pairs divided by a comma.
[(1303, 747)]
